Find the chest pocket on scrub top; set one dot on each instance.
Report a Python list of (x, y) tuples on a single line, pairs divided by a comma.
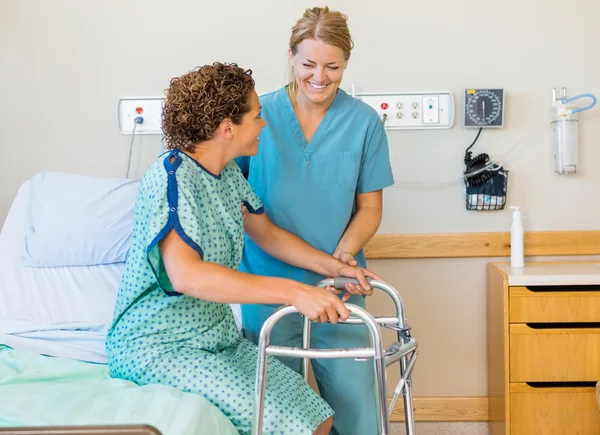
[(348, 168)]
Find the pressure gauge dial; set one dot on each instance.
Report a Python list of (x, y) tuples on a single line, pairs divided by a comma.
[(484, 108)]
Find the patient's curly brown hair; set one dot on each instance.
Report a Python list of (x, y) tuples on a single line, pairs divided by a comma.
[(197, 102)]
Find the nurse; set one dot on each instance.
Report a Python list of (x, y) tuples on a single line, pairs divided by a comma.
[(320, 172)]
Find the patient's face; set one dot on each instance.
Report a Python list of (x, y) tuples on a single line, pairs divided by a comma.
[(247, 132)]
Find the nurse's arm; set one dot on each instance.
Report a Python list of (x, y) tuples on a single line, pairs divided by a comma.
[(363, 224), (291, 249)]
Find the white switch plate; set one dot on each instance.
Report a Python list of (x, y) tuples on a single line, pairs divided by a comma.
[(411, 110), (431, 109), (149, 108)]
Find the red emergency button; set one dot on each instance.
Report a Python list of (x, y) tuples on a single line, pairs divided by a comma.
[(139, 110), (384, 106)]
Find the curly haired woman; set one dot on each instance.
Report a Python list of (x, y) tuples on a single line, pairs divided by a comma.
[(172, 322)]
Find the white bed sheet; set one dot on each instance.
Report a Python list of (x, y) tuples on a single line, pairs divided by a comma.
[(62, 311)]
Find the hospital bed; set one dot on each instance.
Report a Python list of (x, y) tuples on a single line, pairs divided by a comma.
[(53, 321), (62, 252)]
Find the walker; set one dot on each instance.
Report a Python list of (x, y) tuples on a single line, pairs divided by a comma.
[(404, 351)]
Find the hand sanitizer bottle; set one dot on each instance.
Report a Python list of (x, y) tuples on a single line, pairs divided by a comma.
[(516, 239)]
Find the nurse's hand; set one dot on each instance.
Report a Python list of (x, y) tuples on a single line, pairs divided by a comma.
[(363, 288), (319, 304), (346, 257)]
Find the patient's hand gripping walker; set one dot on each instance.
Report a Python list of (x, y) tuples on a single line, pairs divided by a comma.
[(404, 351)]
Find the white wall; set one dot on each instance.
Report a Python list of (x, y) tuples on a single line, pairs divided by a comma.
[(65, 63)]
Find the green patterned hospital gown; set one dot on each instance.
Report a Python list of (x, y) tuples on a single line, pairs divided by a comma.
[(161, 336)]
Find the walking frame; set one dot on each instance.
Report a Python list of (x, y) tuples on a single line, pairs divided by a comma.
[(403, 351)]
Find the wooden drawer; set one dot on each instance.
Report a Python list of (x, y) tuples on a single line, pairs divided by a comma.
[(553, 410), (563, 305), (554, 355)]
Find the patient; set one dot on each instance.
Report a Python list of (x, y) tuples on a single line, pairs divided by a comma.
[(172, 322)]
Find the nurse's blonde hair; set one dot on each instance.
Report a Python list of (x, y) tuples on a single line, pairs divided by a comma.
[(330, 27)]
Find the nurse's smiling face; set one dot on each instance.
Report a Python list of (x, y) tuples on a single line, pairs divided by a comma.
[(318, 70)]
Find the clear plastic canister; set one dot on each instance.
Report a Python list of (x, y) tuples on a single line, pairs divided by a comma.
[(566, 140)]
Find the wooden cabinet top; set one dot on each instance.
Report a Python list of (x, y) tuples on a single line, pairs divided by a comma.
[(551, 273)]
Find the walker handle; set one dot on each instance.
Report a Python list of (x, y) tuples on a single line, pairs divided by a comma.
[(339, 282)]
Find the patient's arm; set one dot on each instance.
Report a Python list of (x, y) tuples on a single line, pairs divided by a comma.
[(192, 276), (291, 249)]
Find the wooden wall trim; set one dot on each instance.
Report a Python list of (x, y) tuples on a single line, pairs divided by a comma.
[(445, 409), (494, 244)]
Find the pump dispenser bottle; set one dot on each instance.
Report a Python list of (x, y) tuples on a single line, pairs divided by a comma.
[(516, 239)]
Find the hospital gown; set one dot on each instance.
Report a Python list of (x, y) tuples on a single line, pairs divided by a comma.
[(161, 336)]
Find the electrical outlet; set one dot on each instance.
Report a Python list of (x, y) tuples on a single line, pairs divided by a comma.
[(150, 109), (426, 110)]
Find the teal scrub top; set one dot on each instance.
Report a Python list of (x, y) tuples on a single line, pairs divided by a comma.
[(309, 188)]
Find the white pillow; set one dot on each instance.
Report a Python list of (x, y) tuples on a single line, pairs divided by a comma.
[(76, 220), (60, 311)]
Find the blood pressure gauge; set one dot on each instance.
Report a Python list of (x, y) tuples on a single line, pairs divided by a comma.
[(484, 108)]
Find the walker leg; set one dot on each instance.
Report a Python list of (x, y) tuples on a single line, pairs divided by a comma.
[(260, 387), (409, 416), (305, 345), (381, 398), (408, 409)]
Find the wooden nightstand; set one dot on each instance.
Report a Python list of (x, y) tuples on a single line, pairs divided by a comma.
[(543, 348)]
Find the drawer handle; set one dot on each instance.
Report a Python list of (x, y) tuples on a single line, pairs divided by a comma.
[(564, 325), (562, 384)]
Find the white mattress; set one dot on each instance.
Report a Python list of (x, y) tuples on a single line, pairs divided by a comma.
[(61, 311)]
